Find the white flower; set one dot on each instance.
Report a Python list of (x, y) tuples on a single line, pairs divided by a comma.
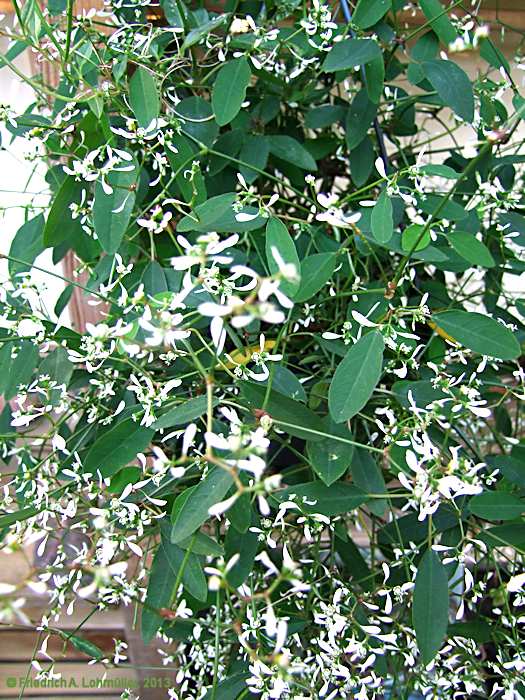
[(207, 248), (222, 506), (380, 167), (29, 328), (516, 583), (336, 217), (287, 270)]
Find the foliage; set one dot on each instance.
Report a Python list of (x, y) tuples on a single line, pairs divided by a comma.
[(294, 439)]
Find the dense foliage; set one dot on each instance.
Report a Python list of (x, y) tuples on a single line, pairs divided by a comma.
[(294, 440)]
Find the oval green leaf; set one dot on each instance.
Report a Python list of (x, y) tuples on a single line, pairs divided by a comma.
[(117, 447), (452, 85), (289, 149), (493, 505), (316, 270), (472, 249), (60, 226), (194, 511), (292, 416), (331, 458), (229, 89), (144, 97), (349, 53), (112, 212), (368, 12), (278, 239), (381, 219), (413, 238), (316, 497), (356, 377), (27, 245), (479, 333), (437, 16), (184, 413), (430, 605)]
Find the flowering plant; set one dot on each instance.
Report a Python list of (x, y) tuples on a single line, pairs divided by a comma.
[(293, 440)]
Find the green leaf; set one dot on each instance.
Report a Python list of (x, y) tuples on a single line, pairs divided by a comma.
[(83, 645), (289, 149), (472, 249), (228, 144), (184, 563), (439, 170), (412, 236), (60, 226), (255, 151), (478, 630), (452, 85), (490, 53), (291, 416), (361, 161), (426, 47), (360, 116), (158, 596), (479, 333), (198, 120), (381, 219), (57, 366), (229, 89), (375, 78), (354, 564), (229, 688), (203, 30), (331, 458), (172, 13), (55, 7), (7, 519), (367, 476), (504, 536), (323, 116), (154, 279), (351, 52), (448, 209), (21, 368), (430, 606), (112, 212), (316, 497), (63, 300), (284, 381), (369, 12), (512, 469), (183, 414), (316, 270), (199, 543), (27, 245), (496, 505), (124, 477), (192, 191), (356, 377), (278, 238), (144, 97), (246, 547), (194, 511), (217, 214), (439, 21), (117, 447)]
